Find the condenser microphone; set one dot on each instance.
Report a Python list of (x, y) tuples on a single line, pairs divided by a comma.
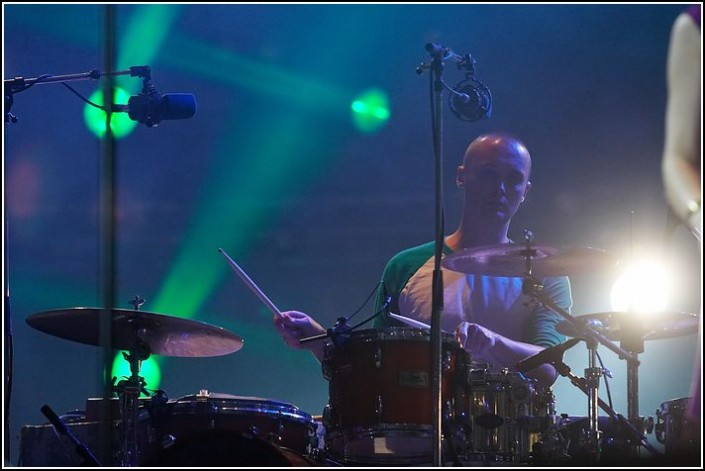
[(152, 108), (471, 100)]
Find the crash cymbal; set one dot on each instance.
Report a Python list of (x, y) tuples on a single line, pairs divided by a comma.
[(164, 335), (511, 260), (660, 325)]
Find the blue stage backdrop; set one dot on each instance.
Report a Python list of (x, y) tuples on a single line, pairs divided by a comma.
[(310, 161)]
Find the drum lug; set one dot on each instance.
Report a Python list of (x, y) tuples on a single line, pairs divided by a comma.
[(167, 440), (379, 409), (378, 357), (328, 416), (647, 424), (447, 356)]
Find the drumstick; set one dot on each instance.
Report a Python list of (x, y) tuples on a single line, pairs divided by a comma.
[(412, 322), (251, 284), (408, 321)]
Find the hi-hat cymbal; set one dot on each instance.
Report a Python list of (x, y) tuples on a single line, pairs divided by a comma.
[(164, 335), (660, 325), (511, 260)]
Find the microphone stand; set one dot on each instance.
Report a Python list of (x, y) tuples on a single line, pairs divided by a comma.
[(436, 67), (438, 55), (8, 348), (20, 84), (11, 87)]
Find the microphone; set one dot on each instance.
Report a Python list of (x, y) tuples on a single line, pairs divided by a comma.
[(151, 108), (471, 100), (444, 53), (60, 426), (54, 419), (547, 355)]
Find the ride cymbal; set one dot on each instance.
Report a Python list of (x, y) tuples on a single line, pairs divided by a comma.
[(652, 326), (515, 259), (164, 335)]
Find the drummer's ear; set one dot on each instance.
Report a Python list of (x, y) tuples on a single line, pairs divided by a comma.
[(460, 177), (526, 191)]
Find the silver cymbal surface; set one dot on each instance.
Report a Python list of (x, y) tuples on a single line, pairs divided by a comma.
[(164, 335), (651, 326), (515, 259)]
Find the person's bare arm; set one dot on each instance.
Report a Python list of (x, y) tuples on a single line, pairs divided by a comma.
[(295, 325), (502, 351), (681, 156)]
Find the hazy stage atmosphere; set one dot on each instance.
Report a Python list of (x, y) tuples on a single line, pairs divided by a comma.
[(310, 162)]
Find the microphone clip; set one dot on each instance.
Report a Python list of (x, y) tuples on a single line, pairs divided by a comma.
[(340, 332), (145, 107)]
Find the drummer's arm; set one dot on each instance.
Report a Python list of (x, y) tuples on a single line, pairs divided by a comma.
[(510, 352), (294, 326), (502, 351)]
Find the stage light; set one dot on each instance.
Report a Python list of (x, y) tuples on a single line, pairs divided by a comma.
[(643, 287)]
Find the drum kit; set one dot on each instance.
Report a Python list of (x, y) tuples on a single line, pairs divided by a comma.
[(378, 412)]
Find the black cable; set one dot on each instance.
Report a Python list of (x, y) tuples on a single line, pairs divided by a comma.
[(27, 87), (380, 311), (81, 96), (374, 290), (607, 384)]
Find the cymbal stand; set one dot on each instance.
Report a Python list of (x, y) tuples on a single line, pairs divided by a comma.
[(532, 287), (580, 383), (592, 379), (129, 392), (632, 339)]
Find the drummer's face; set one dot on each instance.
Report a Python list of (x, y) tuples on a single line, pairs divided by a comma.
[(496, 179)]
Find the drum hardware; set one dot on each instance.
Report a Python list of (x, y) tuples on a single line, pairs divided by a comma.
[(627, 425), (572, 435), (632, 332), (679, 435), (341, 330), (511, 414), (530, 262), (140, 334)]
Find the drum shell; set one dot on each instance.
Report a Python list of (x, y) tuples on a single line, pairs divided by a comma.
[(379, 408), (510, 413), (277, 422), (679, 435), (227, 448)]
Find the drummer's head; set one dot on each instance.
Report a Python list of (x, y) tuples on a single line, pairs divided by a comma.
[(495, 175)]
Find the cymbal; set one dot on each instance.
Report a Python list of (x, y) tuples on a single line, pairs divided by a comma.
[(510, 260), (164, 335), (660, 325)]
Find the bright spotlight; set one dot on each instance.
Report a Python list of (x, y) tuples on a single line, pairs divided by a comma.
[(644, 286)]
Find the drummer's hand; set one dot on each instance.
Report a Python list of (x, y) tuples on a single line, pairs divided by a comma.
[(474, 338), (295, 325)]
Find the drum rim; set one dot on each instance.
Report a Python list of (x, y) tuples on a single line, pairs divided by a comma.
[(395, 333), (188, 405)]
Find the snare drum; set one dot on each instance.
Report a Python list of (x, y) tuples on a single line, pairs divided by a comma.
[(187, 422), (509, 414), (379, 409)]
